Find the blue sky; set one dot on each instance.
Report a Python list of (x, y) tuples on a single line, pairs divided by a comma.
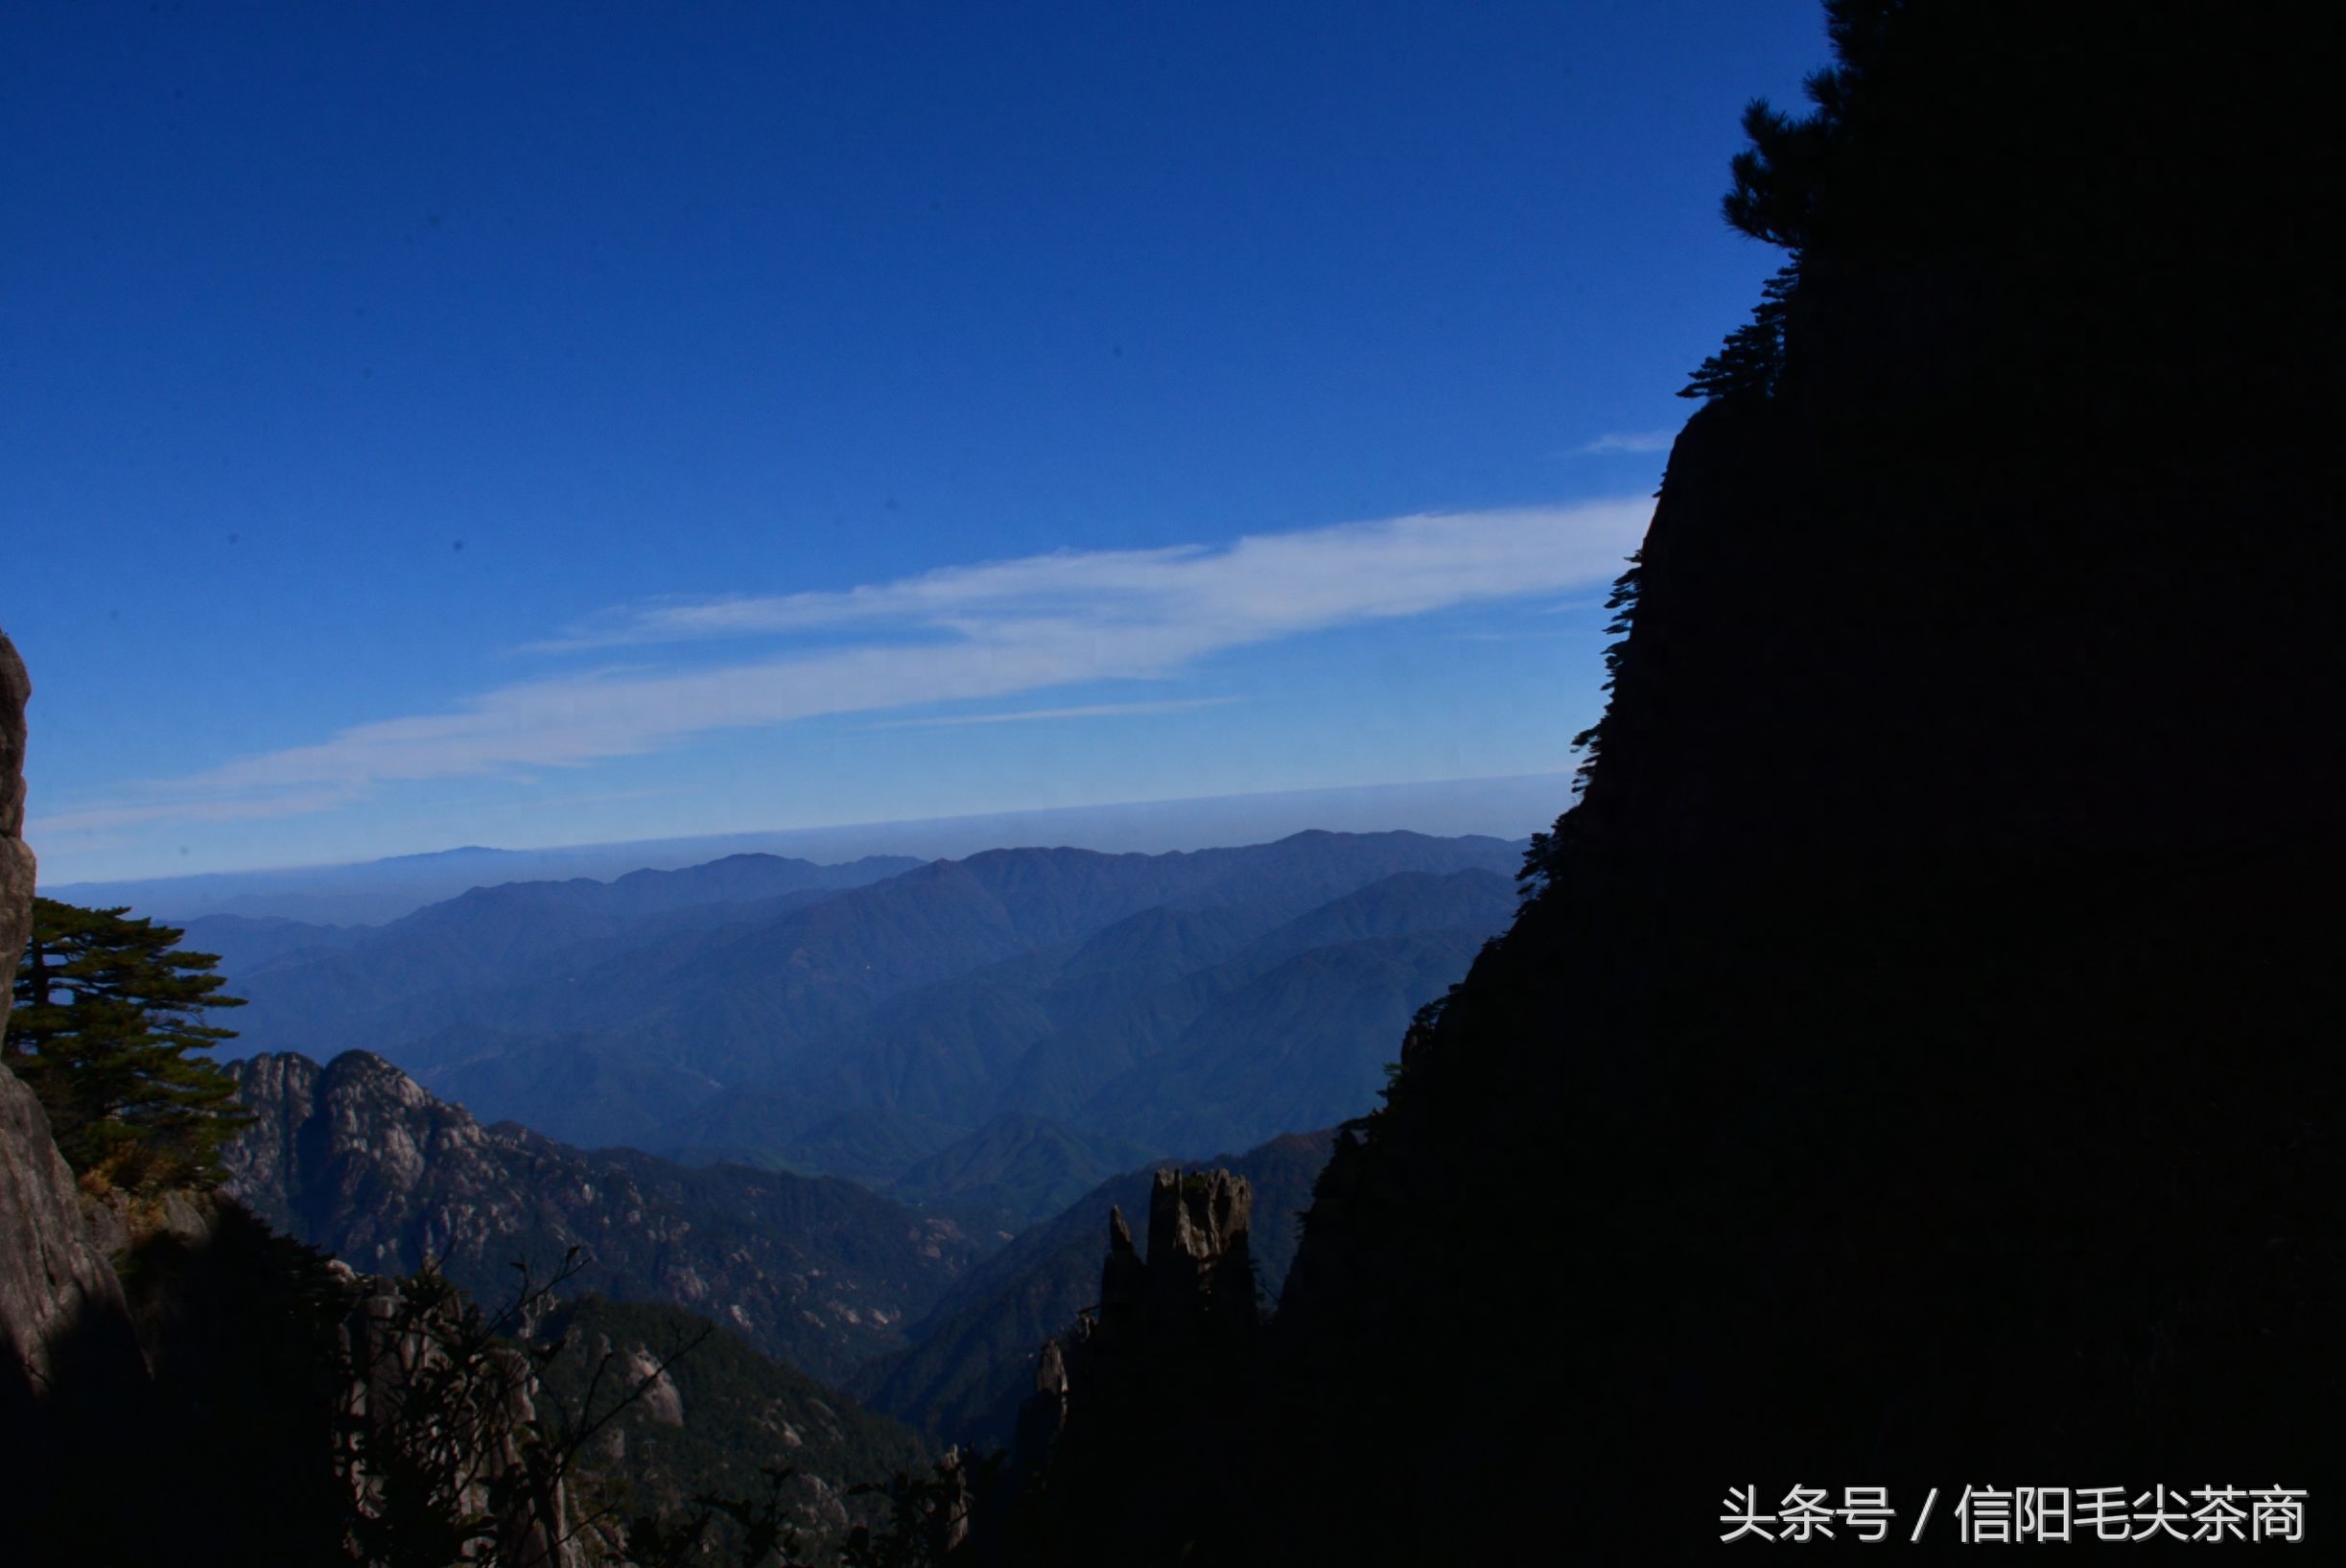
[(533, 425)]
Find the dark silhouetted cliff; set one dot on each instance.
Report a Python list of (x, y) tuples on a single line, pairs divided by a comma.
[(1131, 1433), (1919, 1065), (971, 1363)]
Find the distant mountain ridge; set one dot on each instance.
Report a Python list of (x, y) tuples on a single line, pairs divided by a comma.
[(474, 937), (1175, 1003), (373, 892)]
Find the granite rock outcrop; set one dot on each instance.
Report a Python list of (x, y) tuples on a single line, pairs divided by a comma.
[(353, 1155), (1112, 1431), (62, 1320)]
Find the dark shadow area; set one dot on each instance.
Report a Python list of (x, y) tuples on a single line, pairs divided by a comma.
[(225, 1453), (1919, 1068)]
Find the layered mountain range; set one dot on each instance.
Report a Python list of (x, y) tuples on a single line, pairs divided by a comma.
[(917, 1318), (911, 1028), (1915, 1069)]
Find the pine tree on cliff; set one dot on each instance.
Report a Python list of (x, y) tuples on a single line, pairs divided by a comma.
[(1779, 180), (109, 1015)]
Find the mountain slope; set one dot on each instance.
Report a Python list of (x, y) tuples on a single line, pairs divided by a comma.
[(868, 1144), (1022, 981), (1301, 1044), (972, 1361), (355, 1158), (712, 1415), (1013, 1171), (1183, 1030), (451, 962), (245, 943)]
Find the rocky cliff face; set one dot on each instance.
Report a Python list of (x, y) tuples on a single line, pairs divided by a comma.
[(1192, 1301), (114, 1403), (56, 1286), (16, 862), (99, 1394), (971, 1367), (707, 1422), (62, 1320), (437, 1413), (356, 1157), (1129, 1424)]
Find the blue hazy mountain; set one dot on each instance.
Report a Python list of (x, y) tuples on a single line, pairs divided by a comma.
[(377, 891), (848, 1020)]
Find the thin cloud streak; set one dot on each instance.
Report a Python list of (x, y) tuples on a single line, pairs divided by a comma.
[(959, 634), (1651, 440), (98, 819), (1287, 581), (1097, 710)]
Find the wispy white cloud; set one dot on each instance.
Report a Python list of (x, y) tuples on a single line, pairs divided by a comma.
[(601, 797), (1097, 710), (1650, 441), (1263, 586), (195, 805), (1509, 636), (959, 634)]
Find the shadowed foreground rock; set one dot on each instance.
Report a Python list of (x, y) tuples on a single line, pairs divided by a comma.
[(66, 1347), (242, 1402), (432, 1399), (1125, 1402)]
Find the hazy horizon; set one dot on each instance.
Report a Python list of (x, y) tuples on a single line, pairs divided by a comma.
[(1508, 807)]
